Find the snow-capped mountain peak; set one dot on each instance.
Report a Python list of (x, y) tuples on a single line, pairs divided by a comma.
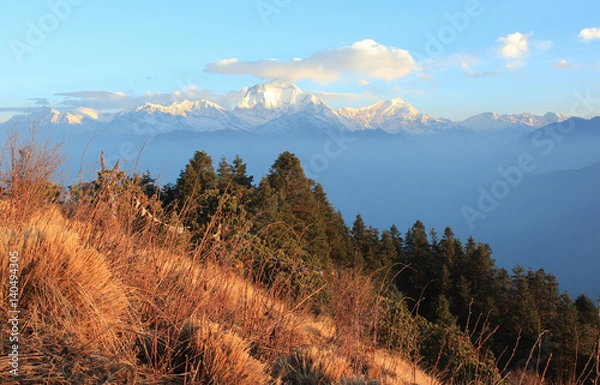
[(263, 103), (393, 116), (54, 116), (274, 95), (397, 101)]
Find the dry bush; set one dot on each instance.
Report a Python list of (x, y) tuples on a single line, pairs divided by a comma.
[(351, 307), (70, 301), (311, 367), (208, 354), (326, 365)]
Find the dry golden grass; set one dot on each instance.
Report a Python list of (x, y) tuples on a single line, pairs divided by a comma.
[(101, 307), (69, 298)]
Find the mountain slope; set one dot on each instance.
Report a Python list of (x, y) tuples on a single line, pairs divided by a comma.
[(199, 116)]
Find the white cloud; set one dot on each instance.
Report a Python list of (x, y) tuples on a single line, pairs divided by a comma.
[(514, 45), (514, 65), (95, 99), (588, 34), (561, 64), (473, 74), (337, 99), (365, 59), (362, 82), (39, 101), (106, 100)]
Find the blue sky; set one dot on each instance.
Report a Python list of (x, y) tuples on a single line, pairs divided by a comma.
[(450, 59)]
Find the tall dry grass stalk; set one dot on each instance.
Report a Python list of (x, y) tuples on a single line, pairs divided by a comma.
[(28, 173)]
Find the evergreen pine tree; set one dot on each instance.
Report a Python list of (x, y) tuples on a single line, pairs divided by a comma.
[(239, 173), (359, 236), (225, 175), (197, 177), (196, 191)]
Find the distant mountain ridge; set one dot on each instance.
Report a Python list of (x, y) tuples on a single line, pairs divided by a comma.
[(280, 109), (491, 121)]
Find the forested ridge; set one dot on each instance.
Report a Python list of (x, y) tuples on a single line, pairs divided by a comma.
[(472, 317)]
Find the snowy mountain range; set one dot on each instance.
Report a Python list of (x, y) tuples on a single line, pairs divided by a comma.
[(277, 108), (491, 121)]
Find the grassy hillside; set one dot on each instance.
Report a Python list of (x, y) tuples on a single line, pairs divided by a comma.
[(108, 294)]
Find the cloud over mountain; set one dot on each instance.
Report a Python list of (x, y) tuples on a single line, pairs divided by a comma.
[(364, 59), (107, 100)]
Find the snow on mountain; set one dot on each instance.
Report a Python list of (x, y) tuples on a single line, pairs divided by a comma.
[(278, 108), (263, 103), (184, 108), (394, 116), (315, 119), (273, 96), (198, 116), (81, 118), (491, 121), (274, 108)]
